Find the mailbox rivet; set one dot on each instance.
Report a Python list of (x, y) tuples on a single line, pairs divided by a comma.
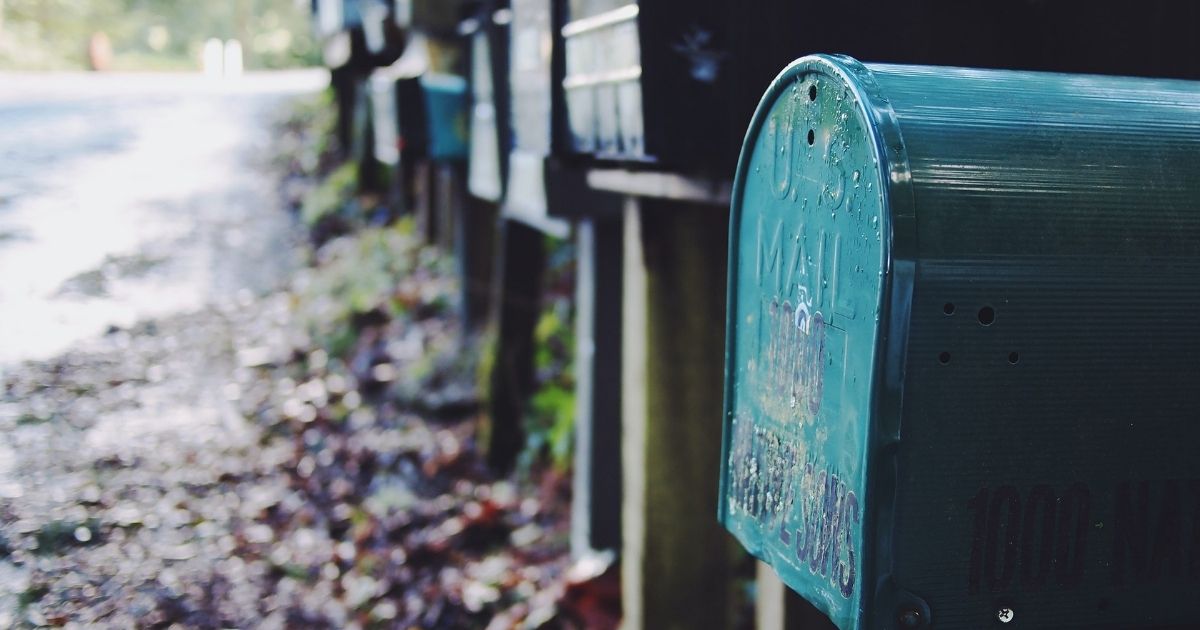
[(1005, 614), (910, 618)]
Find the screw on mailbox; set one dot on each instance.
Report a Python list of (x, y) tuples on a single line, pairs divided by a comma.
[(1005, 615), (910, 618)]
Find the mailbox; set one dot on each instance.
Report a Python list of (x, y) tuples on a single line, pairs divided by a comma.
[(417, 112), (645, 81), (399, 108), (383, 37), (436, 17), (531, 85), (484, 178), (446, 113), (336, 15), (334, 21), (962, 357)]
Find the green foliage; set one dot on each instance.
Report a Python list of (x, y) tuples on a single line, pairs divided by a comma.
[(380, 270), (153, 34), (304, 133), (332, 196), (550, 424)]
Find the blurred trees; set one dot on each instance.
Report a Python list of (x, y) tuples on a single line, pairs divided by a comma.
[(152, 34)]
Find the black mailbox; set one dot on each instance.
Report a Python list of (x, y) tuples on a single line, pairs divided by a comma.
[(645, 82)]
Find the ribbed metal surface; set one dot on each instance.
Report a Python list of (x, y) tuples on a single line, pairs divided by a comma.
[(1070, 206)]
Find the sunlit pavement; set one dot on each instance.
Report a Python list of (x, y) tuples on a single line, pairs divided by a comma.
[(139, 230), (128, 196)]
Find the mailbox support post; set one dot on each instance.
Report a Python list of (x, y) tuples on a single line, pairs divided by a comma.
[(677, 563), (342, 81), (448, 205), (596, 509), (475, 236), (522, 261), (777, 607), (423, 201)]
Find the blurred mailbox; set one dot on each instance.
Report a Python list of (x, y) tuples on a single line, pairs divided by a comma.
[(383, 36), (336, 15), (962, 352), (643, 80), (398, 117), (488, 33), (446, 114), (436, 17), (418, 113), (531, 44), (334, 19)]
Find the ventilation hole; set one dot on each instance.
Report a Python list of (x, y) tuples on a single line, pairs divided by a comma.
[(948, 308), (812, 137), (812, 92), (944, 358), (1013, 357), (987, 316)]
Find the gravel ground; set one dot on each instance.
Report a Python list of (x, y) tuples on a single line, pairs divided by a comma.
[(218, 468)]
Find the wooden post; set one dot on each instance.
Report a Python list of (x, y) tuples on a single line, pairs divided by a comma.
[(778, 607), (423, 203), (677, 561), (369, 180), (447, 204), (522, 261), (342, 81), (476, 241), (596, 501)]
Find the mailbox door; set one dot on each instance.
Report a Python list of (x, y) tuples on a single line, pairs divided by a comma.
[(809, 267)]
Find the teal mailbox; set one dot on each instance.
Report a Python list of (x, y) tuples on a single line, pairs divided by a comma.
[(963, 362), (446, 113)]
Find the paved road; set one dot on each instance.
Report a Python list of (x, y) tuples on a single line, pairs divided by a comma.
[(124, 197), (138, 228)]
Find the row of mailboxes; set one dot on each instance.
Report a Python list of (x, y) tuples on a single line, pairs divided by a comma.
[(374, 30), (962, 358)]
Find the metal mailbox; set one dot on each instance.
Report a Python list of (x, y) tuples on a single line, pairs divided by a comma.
[(446, 113), (383, 37), (333, 23), (489, 137), (435, 17), (962, 357), (418, 113), (531, 89), (644, 81), (398, 104)]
